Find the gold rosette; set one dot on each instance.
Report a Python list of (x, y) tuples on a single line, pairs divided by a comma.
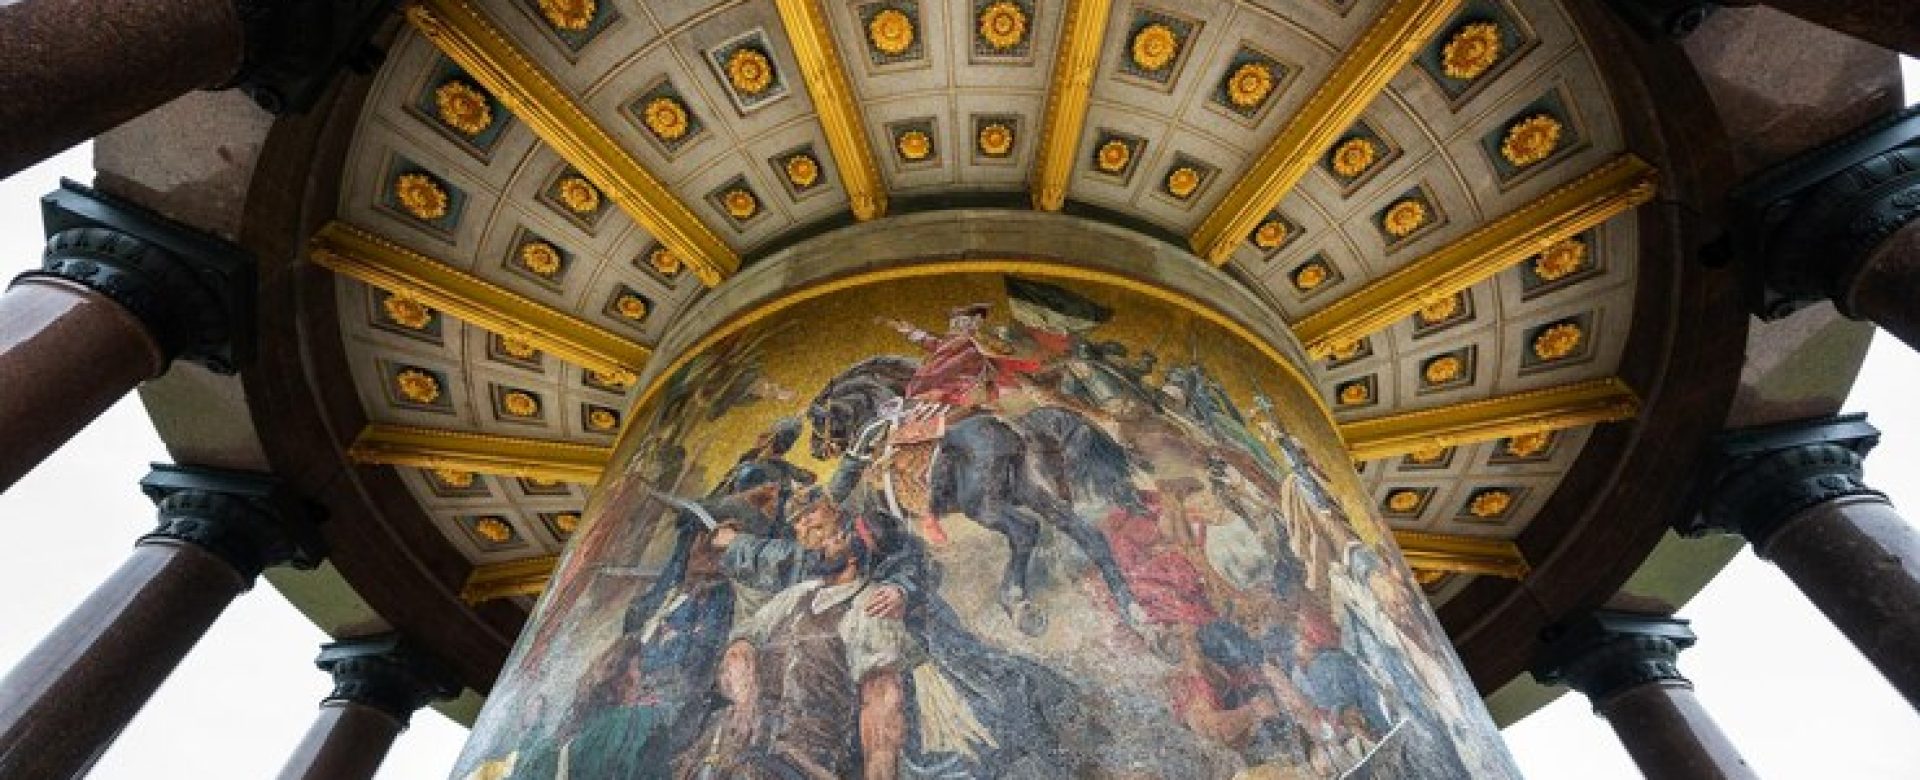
[(417, 386), (1404, 218), (630, 306), (1440, 310), (1154, 46), (666, 118), (520, 404), (493, 529), (749, 71), (1354, 394), (1310, 276), (463, 108), (1271, 234), (802, 171), (1490, 503), (1442, 370), (996, 140), (1471, 51), (1354, 156), (1250, 84), (573, 15), (914, 145), (1003, 25), (602, 420), (665, 261), (454, 478), (1114, 156), (1531, 140), (578, 194), (1403, 501), (1528, 444), (405, 311), (540, 257), (1561, 259), (420, 196), (740, 204), (890, 31), (1183, 181), (1558, 341)]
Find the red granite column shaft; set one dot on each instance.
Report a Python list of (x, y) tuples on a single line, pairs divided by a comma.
[(1670, 736), (1859, 561), (1887, 288), (1894, 24), (70, 697), (77, 68), (347, 742), (66, 354)]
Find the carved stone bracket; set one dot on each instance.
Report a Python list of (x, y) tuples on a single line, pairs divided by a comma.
[(295, 47), (249, 520), (1769, 475), (386, 673), (194, 292), (1604, 653), (1811, 222)]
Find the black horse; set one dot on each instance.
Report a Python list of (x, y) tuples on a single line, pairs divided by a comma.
[(1007, 475)]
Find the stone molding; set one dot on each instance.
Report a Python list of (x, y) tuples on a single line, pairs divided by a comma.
[(248, 520), (192, 291), (386, 673)]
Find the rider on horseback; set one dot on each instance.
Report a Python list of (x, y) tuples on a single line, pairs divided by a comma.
[(962, 374)]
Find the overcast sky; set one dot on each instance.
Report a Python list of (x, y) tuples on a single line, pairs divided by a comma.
[(1794, 696)]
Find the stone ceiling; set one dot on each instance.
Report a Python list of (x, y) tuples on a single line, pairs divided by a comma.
[(1499, 110)]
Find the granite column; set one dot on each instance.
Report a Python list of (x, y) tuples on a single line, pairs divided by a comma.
[(378, 682), (1625, 664), (69, 698)]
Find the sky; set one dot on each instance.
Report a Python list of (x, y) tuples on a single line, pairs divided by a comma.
[(1789, 690)]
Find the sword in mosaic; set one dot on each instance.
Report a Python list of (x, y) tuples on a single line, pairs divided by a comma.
[(686, 505)]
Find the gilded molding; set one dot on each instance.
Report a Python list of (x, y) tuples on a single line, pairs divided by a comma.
[(1082, 34), (378, 261), (834, 102), (469, 38), (490, 581), (1387, 45), (480, 453), (1595, 197), (1427, 551), (1461, 554), (1514, 414)]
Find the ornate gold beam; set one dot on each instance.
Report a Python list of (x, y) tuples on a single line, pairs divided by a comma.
[(1431, 552), (378, 261), (1083, 29), (841, 118), (1531, 411), (526, 577), (471, 39), (1461, 554), (1598, 195), (481, 453), (1386, 46)]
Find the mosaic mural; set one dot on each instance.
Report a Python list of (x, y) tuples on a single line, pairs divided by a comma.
[(982, 525)]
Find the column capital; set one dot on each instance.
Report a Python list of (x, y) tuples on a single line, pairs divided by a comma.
[(1764, 476), (293, 49), (251, 521), (1603, 653), (194, 292), (1665, 18), (387, 673), (1813, 221)]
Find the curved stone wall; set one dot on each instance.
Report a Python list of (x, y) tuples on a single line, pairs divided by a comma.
[(981, 518)]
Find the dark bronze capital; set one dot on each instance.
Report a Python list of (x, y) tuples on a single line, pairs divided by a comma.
[(1768, 475), (295, 47), (386, 673), (193, 292), (249, 520), (1604, 653)]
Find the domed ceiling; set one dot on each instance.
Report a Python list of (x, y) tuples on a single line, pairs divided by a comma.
[(1434, 195)]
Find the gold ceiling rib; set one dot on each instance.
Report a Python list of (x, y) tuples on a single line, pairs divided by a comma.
[(1530, 411), (1597, 196), (480, 453), (473, 41), (525, 577), (1428, 551), (378, 261), (1386, 46), (1082, 34), (841, 117), (1461, 554)]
